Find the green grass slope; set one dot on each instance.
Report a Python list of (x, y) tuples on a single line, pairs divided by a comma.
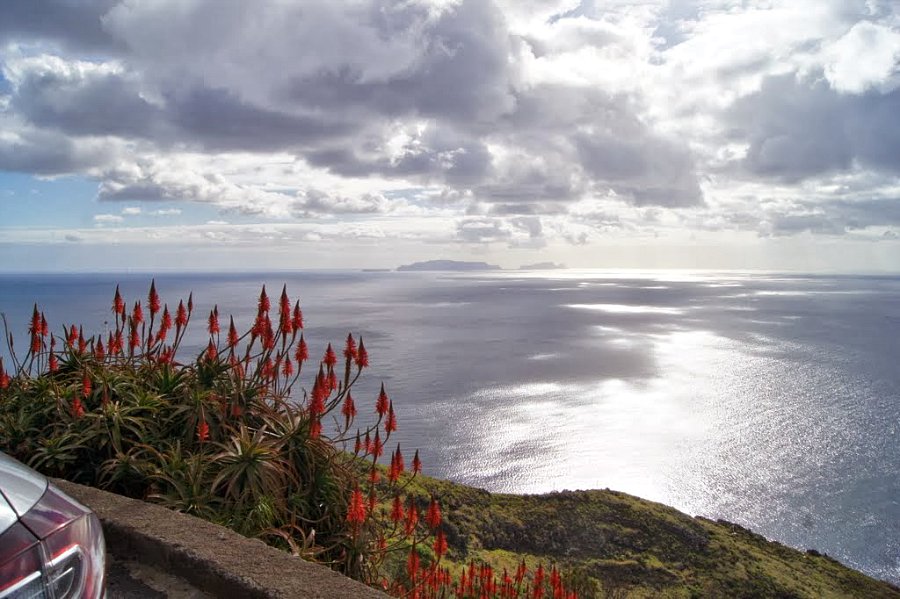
[(618, 545)]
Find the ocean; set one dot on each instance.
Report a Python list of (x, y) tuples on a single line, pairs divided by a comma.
[(769, 400)]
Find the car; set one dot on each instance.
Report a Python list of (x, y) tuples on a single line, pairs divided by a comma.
[(51, 546)]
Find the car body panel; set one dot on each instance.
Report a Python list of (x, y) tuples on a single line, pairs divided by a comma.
[(20, 485)]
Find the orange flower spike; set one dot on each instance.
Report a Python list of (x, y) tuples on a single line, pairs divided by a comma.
[(202, 431), (412, 564), (362, 356), (390, 425), (302, 352), (332, 380), (348, 409), (232, 334), (77, 408), (264, 303), (397, 513), (400, 465), (377, 446), (72, 337), (99, 351), (284, 311), (85, 385), (297, 319), (213, 321), (433, 516), (180, 316), (417, 463), (118, 305), (166, 323), (412, 518), (357, 446), (367, 444), (440, 544), (137, 313), (288, 368), (350, 351), (383, 403), (82, 342), (330, 359), (54, 361), (45, 328), (211, 353), (153, 298), (35, 327), (4, 377), (374, 475)]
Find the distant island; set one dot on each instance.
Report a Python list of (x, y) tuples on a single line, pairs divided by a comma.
[(455, 265), (542, 266)]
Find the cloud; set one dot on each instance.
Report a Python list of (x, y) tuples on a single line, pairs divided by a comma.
[(105, 219), (520, 123)]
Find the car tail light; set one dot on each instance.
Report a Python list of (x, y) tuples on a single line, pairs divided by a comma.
[(67, 557)]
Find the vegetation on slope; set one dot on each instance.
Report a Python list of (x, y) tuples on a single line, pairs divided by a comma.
[(611, 544)]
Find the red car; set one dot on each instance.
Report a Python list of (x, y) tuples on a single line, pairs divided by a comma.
[(51, 546)]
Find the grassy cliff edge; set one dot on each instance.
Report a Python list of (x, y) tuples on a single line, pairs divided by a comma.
[(618, 545)]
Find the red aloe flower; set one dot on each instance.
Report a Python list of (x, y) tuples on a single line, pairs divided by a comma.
[(433, 516), (34, 328), (54, 361), (77, 408), (315, 428), (82, 342), (288, 369), (348, 409), (134, 341), (297, 319), (390, 425), (374, 475), (4, 377), (357, 447), (153, 298), (284, 312), (164, 325), (377, 446), (330, 359), (412, 564), (264, 304), (99, 352), (72, 337), (85, 385), (383, 403), (417, 463), (368, 443), (202, 431), (539, 582), (412, 519), (440, 544), (211, 353), (356, 511), (302, 353), (350, 351), (117, 342), (362, 356), (45, 328), (137, 313), (118, 305), (332, 380), (213, 321), (190, 303), (232, 334), (397, 513), (180, 316), (400, 465)]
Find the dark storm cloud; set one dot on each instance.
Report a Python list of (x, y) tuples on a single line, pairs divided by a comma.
[(74, 24), (798, 128), (460, 71)]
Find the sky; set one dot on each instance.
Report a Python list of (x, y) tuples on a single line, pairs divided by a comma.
[(275, 134)]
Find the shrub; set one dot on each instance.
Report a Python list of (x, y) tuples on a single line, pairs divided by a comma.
[(226, 437)]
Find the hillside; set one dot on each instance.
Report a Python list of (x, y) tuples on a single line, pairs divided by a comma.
[(623, 546)]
